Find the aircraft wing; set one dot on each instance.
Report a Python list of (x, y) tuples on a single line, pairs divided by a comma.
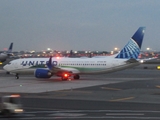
[(60, 70)]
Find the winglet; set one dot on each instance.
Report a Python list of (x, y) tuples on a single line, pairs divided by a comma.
[(49, 63), (132, 48)]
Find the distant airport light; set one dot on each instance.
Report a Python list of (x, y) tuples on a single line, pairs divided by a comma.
[(32, 51), (115, 48), (148, 48), (5, 49), (112, 52), (158, 67), (67, 51), (48, 49)]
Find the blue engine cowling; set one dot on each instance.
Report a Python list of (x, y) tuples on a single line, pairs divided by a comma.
[(42, 73)]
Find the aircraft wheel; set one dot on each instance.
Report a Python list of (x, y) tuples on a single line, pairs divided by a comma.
[(76, 77), (7, 72), (17, 76)]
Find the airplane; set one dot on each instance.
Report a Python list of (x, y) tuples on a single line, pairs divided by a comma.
[(66, 67), (5, 55)]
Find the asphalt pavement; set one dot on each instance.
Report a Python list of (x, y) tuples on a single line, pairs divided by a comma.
[(132, 94)]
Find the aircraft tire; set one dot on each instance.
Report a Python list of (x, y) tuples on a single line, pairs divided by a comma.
[(17, 77), (76, 76)]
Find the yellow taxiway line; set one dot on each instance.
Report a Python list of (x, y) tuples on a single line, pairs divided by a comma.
[(107, 88), (122, 99)]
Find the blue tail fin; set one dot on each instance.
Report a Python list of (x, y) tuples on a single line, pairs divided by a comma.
[(10, 48), (132, 48)]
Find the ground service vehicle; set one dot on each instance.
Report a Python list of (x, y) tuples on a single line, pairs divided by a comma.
[(10, 105)]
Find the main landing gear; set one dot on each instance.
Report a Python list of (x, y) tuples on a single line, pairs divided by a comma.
[(76, 77), (66, 77)]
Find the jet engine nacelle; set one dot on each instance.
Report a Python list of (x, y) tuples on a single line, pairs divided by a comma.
[(42, 73)]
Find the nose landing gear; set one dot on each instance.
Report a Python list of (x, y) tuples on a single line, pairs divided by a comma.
[(17, 76)]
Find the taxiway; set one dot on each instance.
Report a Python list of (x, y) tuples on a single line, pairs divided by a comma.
[(129, 94)]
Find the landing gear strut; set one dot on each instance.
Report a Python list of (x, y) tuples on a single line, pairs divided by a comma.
[(17, 76)]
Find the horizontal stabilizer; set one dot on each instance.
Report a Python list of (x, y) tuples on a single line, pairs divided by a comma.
[(132, 60)]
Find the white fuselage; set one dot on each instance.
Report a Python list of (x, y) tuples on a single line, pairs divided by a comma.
[(75, 65)]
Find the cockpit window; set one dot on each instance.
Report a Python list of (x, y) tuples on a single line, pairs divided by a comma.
[(9, 63)]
